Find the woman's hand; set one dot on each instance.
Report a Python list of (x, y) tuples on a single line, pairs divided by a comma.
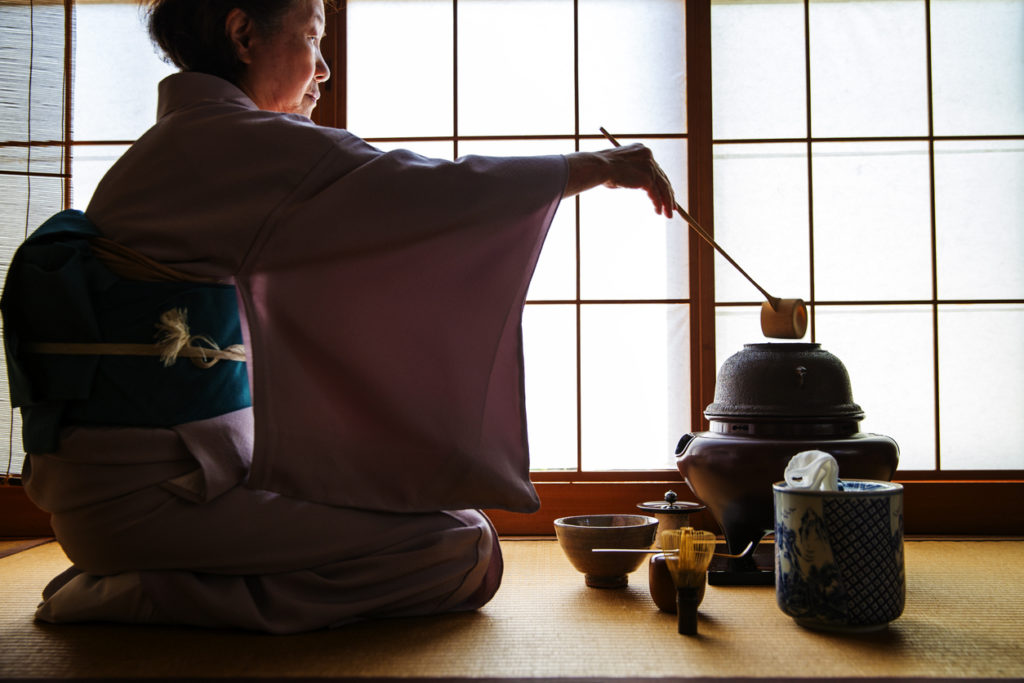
[(631, 166)]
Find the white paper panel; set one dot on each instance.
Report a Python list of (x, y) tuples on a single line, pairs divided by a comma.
[(399, 75), (981, 377), (761, 220), (632, 66), (979, 211), (515, 67), (868, 68), (888, 353), (758, 76), (549, 339), (978, 66), (117, 69), (872, 221), (636, 385)]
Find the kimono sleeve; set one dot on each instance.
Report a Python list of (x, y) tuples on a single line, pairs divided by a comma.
[(384, 313)]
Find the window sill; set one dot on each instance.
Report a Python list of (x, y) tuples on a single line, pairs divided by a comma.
[(935, 507), (968, 505)]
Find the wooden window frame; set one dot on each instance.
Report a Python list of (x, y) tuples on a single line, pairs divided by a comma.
[(987, 502), (940, 502)]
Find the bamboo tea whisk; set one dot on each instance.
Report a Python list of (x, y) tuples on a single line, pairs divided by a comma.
[(688, 553)]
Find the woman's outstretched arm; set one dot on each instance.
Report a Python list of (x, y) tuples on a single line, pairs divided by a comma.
[(631, 166)]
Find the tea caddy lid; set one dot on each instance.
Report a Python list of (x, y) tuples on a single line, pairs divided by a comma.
[(670, 505)]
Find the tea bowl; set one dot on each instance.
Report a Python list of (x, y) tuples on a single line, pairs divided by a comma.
[(580, 534)]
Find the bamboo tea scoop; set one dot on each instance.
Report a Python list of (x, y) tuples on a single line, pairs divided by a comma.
[(780, 318)]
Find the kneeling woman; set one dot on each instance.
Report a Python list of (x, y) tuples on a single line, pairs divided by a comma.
[(271, 374)]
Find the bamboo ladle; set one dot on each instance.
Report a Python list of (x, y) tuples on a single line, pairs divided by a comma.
[(780, 318)]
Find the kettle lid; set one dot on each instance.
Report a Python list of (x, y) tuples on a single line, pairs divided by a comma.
[(783, 381)]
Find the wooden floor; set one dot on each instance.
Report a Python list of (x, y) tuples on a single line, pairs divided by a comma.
[(964, 619)]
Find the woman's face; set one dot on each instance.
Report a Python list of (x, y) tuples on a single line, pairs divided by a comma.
[(284, 68)]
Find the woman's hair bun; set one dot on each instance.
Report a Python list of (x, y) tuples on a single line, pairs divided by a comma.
[(192, 35)]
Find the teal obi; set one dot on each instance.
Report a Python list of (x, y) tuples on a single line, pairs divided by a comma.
[(58, 291)]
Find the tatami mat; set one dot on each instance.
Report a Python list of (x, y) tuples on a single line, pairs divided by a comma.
[(964, 619), (16, 545)]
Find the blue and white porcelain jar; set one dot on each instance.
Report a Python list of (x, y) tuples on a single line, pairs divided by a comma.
[(839, 554)]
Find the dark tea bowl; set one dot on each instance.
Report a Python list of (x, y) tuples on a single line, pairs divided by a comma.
[(580, 534)]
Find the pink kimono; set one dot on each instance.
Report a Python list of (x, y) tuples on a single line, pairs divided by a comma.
[(381, 297)]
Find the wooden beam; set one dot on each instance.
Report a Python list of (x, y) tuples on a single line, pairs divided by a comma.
[(931, 507), (700, 205)]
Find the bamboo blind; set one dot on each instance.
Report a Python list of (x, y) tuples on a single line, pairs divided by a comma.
[(36, 47)]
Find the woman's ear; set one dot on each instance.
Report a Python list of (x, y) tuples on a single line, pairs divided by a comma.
[(239, 28)]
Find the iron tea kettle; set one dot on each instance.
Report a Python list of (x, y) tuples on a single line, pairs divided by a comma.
[(772, 401)]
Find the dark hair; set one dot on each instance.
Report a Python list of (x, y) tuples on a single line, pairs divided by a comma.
[(192, 33)]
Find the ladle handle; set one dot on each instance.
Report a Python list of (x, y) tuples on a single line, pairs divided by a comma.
[(773, 301), (659, 551)]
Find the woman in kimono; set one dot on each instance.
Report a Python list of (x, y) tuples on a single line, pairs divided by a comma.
[(339, 385)]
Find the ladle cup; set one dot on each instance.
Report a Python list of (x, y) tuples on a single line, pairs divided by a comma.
[(784, 318)]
